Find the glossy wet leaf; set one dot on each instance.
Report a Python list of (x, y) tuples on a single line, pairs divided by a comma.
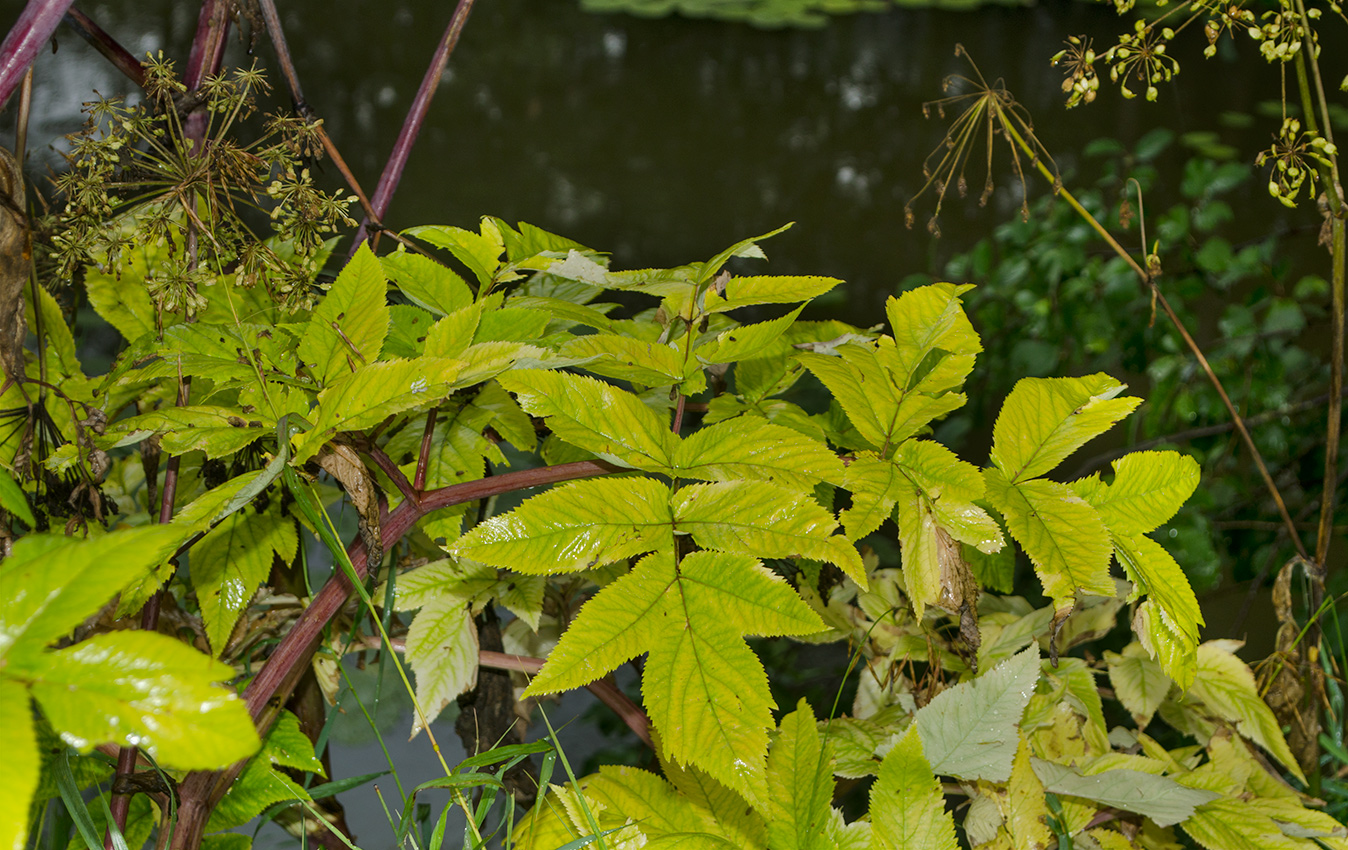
[(231, 561), (143, 688)]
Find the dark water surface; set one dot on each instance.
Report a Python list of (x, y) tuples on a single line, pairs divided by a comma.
[(663, 141)]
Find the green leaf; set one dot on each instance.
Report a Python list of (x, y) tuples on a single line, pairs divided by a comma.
[(369, 396), (1064, 536), (451, 336), (1154, 572), (1139, 682), (1159, 798), (13, 500), (1234, 825), (970, 730), (50, 584), (261, 784), (347, 328), (923, 573), (426, 283), (649, 363), (22, 765), (747, 248), (939, 472), (765, 521), (746, 341), (145, 689), (122, 302), (934, 342), (287, 745), (1046, 419), (595, 416), (752, 448), (574, 527), (768, 289), (481, 253), (876, 486), (1226, 686), (215, 431), (665, 817), (907, 804), (508, 418), (231, 561), (511, 324), (800, 784), (60, 342), (442, 648), (1148, 488), (408, 327)]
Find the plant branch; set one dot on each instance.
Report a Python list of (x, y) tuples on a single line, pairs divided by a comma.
[(389, 468), (424, 455), (268, 690), (106, 45), (416, 115), (35, 26)]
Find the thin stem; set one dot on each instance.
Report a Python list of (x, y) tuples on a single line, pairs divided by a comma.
[(416, 116), (389, 468), (424, 455)]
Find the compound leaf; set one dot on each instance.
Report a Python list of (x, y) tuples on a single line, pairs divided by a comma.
[(347, 328), (800, 784), (231, 561), (1044, 420)]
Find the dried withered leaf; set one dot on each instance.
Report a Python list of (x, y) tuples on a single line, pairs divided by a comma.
[(343, 463)]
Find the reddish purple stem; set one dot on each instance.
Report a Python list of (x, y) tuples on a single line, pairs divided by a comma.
[(105, 44), (35, 26), (416, 116)]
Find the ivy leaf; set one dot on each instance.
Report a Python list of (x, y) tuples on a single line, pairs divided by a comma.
[(145, 689), (596, 416), (52, 583), (1154, 572), (231, 561), (1226, 686), (765, 521), (574, 527), (746, 341), (907, 804), (426, 283), (442, 648), (800, 784), (970, 730), (752, 448), (372, 394), (347, 328), (1044, 420), (1148, 488), (481, 253), (1138, 682), (22, 764), (1062, 534)]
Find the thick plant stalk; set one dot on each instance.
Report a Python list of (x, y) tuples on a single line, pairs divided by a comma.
[(416, 116), (200, 791), (30, 32), (106, 45)]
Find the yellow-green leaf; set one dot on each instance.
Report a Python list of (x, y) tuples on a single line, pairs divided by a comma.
[(1064, 536), (481, 253), (1155, 573), (1046, 419), (231, 561), (747, 340), (574, 527), (929, 324), (753, 448), (442, 649), (1138, 682), (907, 804), (763, 520), (347, 328), (22, 764), (653, 364), (595, 416), (427, 283), (768, 289), (800, 784), (1148, 488)]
